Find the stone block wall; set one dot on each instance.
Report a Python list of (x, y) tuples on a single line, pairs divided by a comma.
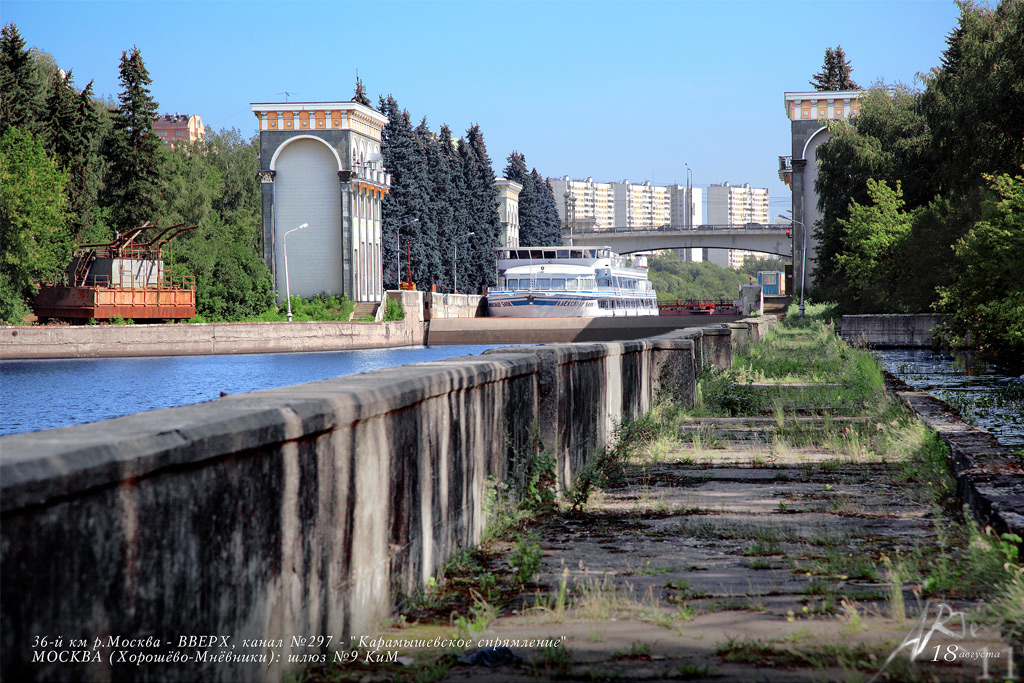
[(301, 511)]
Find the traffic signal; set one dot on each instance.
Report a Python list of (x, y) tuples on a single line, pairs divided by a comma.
[(789, 233)]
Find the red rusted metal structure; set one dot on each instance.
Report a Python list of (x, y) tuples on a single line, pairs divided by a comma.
[(124, 278), (698, 307)]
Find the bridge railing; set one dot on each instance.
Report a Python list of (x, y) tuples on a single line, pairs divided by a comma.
[(759, 227)]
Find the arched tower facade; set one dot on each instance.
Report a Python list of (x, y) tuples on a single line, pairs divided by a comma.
[(809, 114), (320, 164)]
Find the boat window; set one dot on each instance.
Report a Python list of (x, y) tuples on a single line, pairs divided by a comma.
[(557, 283), (537, 253), (511, 284), (544, 283), (562, 253), (575, 253)]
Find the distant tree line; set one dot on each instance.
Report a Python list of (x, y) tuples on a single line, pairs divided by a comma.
[(76, 170), (921, 194), (443, 204)]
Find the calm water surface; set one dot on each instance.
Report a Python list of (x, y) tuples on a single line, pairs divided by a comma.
[(985, 396), (40, 394)]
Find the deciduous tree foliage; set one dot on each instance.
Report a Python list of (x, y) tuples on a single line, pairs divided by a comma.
[(33, 216), (939, 144), (986, 302), (675, 279)]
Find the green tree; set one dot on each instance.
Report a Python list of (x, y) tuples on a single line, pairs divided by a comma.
[(551, 226), (835, 72), (134, 151), (404, 207), (71, 127), (454, 221), (973, 101), (889, 141), (478, 265), (873, 236), (232, 279), (529, 210), (675, 279), (34, 242), (19, 84), (986, 302), (238, 162)]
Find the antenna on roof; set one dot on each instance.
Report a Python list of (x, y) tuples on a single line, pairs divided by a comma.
[(286, 94)]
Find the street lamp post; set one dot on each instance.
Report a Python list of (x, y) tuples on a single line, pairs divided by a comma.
[(287, 283), (689, 196), (456, 262), (398, 252), (803, 259), (568, 219)]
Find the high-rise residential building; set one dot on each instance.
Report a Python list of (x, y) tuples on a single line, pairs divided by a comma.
[(736, 205), (591, 205), (173, 129)]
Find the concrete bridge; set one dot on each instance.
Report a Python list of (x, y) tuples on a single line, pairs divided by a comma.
[(626, 240)]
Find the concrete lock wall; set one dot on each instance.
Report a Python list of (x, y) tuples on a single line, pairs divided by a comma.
[(301, 511), (99, 341), (898, 329)]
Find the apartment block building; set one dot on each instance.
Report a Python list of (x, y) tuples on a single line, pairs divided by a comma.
[(591, 205), (176, 128), (736, 205)]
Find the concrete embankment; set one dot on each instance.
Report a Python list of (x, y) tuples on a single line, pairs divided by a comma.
[(430, 319), (559, 330), (910, 329), (989, 475), (295, 512)]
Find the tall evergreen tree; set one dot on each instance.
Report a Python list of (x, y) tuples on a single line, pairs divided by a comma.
[(436, 190), (454, 221), (483, 212), (551, 226), (529, 214), (70, 133), (360, 94), (404, 207), (134, 150), (19, 85), (835, 72)]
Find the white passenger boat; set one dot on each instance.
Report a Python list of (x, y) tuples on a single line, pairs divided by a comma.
[(570, 282)]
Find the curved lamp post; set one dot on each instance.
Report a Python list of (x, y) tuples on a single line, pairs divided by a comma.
[(287, 284), (456, 263), (803, 257)]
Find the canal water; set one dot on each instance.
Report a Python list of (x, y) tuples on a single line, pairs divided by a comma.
[(41, 394), (983, 395)]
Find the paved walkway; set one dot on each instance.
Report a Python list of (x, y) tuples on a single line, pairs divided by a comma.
[(741, 557)]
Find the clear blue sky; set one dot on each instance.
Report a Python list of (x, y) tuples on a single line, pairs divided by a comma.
[(609, 90)]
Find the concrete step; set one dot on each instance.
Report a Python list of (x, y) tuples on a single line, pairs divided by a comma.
[(365, 308)]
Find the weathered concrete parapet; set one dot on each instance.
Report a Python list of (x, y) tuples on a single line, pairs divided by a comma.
[(295, 511), (903, 329), (989, 476)]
